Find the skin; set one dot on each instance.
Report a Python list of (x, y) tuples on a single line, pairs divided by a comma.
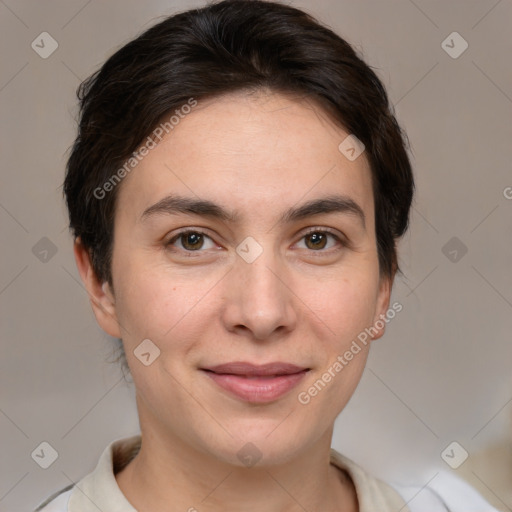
[(298, 302)]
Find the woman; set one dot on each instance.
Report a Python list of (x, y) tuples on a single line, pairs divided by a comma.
[(236, 191)]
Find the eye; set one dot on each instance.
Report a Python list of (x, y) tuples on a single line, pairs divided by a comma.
[(318, 240), (191, 241)]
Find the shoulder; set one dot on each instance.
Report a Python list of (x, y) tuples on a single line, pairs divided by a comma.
[(449, 491), (57, 502), (97, 490), (372, 494), (444, 493)]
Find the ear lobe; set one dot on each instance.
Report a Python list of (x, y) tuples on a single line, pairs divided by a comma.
[(100, 295), (382, 306)]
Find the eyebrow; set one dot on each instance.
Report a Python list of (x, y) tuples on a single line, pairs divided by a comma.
[(175, 205)]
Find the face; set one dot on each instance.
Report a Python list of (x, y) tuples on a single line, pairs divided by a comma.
[(269, 256)]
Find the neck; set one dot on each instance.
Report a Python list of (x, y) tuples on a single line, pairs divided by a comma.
[(170, 475)]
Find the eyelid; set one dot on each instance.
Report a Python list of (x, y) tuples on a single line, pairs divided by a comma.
[(334, 232), (321, 229), (184, 231), (339, 237)]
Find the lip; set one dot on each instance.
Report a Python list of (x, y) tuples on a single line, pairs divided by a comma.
[(253, 370), (256, 383)]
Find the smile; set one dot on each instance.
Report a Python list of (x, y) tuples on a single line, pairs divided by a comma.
[(254, 384)]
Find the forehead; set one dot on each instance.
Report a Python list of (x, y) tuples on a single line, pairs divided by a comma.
[(251, 152)]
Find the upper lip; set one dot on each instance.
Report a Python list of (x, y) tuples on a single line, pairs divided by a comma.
[(243, 368)]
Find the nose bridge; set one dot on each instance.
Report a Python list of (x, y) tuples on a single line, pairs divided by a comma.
[(261, 281), (260, 301)]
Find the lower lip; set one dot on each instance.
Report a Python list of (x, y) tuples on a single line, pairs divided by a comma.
[(257, 389)]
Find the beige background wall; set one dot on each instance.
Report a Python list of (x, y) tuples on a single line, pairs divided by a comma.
[(442, 373)]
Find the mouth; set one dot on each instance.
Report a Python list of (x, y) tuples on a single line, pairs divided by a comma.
[(256, 383)]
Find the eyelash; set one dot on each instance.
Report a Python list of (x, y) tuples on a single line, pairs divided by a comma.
[(310, 231), (341, 242)]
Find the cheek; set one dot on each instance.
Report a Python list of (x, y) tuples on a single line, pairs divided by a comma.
[(344, 309), (171, 313), (154, 304), (344, 306)]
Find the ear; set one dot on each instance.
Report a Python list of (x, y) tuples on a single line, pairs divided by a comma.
[(382, 306), (100, 295)]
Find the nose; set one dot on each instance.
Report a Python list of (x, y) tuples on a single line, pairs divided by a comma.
[(259, 299)]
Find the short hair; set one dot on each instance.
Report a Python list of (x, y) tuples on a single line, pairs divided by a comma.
[(222, 48)]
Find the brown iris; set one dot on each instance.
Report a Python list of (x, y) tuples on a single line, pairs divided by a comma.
[(317, 240), (192, 241)]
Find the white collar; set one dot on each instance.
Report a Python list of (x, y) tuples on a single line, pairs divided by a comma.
[(99, 490)]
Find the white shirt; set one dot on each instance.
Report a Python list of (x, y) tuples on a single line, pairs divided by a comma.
[(99, 489)]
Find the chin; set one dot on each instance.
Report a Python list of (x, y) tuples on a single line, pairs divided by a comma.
[(260, 442)]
